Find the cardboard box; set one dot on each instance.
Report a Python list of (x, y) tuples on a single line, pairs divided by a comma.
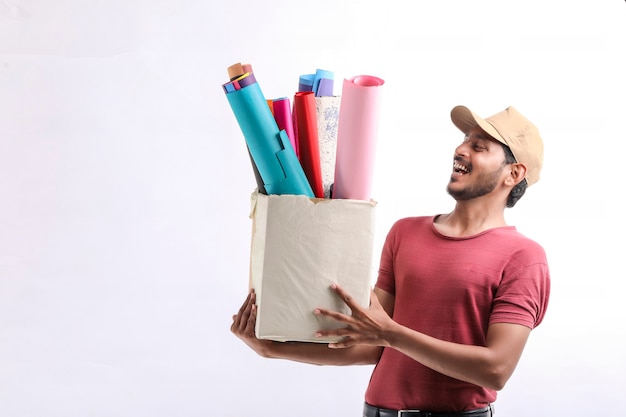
[(300, 246)]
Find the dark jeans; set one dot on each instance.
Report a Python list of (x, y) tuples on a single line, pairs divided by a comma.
[(371, 411)]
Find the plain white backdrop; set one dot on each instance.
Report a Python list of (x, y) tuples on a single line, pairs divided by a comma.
[(125, 185)]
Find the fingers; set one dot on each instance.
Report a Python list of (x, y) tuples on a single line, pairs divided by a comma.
[(335, 315), (245, 316), (344, 343), (251, 324), (354, 306), (345, 336), (342, 293), (356, 309)]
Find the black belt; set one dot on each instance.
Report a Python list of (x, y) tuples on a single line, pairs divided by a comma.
[(371, 411)]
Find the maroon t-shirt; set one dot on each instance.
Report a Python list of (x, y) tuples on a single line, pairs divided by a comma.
[(453, 289)]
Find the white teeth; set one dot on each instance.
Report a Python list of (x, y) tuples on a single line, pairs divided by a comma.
[(459, 167)]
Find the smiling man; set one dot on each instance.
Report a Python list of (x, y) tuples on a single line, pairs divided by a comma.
[(457, 294)]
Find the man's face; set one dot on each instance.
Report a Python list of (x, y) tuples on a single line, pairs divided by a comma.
[(478, 165)]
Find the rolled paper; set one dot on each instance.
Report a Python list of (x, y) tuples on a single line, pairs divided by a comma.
[(294, 123), (239, 82), (284, 119), (327, 110), (229, 87), (235, 71), (270, 148), (270, 104), (246, 79), (356, 137), (296, 182), (318, 76), (325, 88), (306, 120), (306, 82), (257, 176)]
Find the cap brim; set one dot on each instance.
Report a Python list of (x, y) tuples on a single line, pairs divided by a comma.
[(465, 119)]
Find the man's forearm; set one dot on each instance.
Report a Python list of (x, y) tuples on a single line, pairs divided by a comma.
[(320, 354)]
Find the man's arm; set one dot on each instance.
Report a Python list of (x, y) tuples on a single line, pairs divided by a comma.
[(488, 366), (314, 353)]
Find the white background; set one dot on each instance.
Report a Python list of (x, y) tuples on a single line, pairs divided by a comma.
[(125, 185)]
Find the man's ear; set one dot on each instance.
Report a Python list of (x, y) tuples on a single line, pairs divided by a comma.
[(516, 174)]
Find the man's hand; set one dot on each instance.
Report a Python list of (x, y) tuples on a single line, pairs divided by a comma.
[(364, 327), (243, 326)]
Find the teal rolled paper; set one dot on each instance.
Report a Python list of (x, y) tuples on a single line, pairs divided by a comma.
[(270, 148)]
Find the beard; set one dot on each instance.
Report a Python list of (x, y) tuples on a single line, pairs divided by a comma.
[(485, 183)]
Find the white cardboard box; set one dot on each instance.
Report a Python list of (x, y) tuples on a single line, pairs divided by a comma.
[(300, 246)]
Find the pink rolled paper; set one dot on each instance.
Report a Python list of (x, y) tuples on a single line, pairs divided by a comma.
[(357, 134), (284, 120)]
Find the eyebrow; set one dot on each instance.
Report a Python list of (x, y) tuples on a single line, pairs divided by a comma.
[(479, 136)]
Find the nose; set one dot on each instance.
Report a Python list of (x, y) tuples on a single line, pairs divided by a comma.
[(462, 149)]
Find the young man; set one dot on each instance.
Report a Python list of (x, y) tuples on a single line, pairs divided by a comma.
[(457, 294)]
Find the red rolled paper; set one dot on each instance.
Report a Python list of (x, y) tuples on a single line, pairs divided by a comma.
[(308, 143)]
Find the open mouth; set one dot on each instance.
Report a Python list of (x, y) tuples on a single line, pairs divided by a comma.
[(460, 169)]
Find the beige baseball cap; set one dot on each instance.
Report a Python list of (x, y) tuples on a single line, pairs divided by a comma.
[(511, 128)]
